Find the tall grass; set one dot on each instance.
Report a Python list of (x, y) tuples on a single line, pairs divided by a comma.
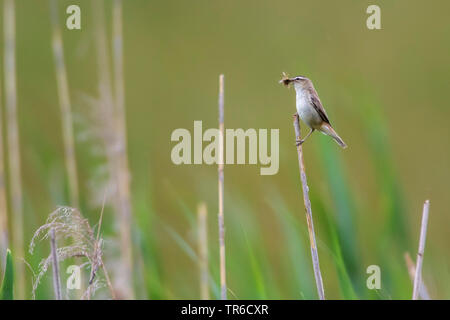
[(389, 193), (146, 235), (115, 141), (223, 281), (55, 265), (295, 252), (342, 225), (65, 105), (4, 238), (333, 242), (7, 285), (123, 173), (262, 262), (13, 140)]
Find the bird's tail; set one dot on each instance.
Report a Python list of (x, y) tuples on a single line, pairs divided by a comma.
[(328, 130)]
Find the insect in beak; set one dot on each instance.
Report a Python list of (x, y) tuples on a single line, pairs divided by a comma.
[(286, 80)]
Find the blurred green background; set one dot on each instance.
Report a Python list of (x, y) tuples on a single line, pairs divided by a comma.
[(385, 91)]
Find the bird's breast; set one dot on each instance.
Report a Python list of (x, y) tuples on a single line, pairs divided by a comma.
[(306, 111)]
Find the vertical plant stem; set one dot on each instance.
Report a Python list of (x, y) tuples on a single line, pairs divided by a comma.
[(202, 230), (105, 271), (123, 169), (65, 106), (55, 263), (13, 140), (4, 238), (419, 261), (423, 291), (309, 218), (115, 143), (223, 282), (108, 282)]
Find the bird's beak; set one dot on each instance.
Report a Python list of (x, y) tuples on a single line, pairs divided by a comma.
[(287, 81)]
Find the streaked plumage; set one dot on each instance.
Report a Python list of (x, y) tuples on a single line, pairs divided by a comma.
[(310, 108)]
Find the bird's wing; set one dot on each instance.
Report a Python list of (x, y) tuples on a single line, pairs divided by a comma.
[(315, 101)]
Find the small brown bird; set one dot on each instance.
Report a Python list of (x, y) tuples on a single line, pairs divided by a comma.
[(310, 109)]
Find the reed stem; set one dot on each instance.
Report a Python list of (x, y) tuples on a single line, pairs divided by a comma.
[(65, 106), (223, 282), (114, 136), (4, 237), (13, 140), (123, 169), (55, 263), (419, 261), (309, 218), (423, 291)]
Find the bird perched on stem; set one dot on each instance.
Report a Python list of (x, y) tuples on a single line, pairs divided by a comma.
[(310, 109)]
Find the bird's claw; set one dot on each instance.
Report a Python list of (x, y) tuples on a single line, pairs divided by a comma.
[(299, 142)]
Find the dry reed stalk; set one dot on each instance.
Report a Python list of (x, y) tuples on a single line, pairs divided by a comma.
[(65, 106), (4, 238), (108, 282), (105, 271), (123, 170), (309, 218), (423, 291), (55, 264), (13, 140), (202, 230), (115, 144), (419, 261), (223, 282)]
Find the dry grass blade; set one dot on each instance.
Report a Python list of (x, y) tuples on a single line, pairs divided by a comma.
[(423, 291), (4, 238), (309, 218), (419, 262), (13, 140), (55, 263), (123, 172), (65, 106), (105, 272), (223, 282)]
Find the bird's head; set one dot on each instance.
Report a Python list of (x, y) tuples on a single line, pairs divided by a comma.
[(298, 81)]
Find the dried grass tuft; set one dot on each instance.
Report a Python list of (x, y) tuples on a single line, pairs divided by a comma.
[(69, 224)]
